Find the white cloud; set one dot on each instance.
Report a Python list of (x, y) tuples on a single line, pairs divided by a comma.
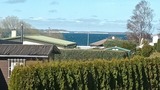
[(77, 24), (78, 21), (38, 18)]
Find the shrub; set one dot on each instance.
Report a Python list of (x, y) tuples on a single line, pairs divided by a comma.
[(129, 45), (113, 42), (135, 74), (89, 54), (157, 46), (146, 50), (154, 55), (120, 43)]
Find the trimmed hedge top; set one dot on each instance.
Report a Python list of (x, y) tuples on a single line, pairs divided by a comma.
[(89, 54), (135, 74)]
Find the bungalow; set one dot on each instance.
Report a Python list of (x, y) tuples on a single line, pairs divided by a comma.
[(99, 43), (41, 40), (154, 39), (13, 54), (119, 49)]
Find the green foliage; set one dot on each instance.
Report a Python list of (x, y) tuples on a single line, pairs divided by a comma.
[(89, 54), (113, 42), (146, 50), (138, 52), (129, 45), (157, 46), (120, 43), (135, 74), (154, 55)]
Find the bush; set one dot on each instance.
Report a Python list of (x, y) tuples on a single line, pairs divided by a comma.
[(135, 74), (89, 54), (154, 55), (113, 43), (129, 45), (157, 46), (121, 43), (146, 50)]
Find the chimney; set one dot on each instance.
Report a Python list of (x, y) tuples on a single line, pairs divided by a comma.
[(13, 33)]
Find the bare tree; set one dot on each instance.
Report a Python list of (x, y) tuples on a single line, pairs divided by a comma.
[(140, 24), (10, 22), (13, 22)]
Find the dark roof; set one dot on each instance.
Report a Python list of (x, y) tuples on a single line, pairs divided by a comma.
[(99, 43), (35, 51), (9, 42)]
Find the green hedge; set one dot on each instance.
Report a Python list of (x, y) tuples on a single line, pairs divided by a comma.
[(89, 54), (135, 74), (157, 46), (120, 43)]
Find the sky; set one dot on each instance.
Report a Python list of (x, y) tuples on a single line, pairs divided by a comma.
[(76, 15)]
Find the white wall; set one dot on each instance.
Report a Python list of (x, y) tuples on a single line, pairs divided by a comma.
[(31, 43)]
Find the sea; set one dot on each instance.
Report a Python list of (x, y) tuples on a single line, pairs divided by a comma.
[(85, 39)]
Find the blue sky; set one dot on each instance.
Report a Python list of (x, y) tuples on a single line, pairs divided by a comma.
[(76, 15)]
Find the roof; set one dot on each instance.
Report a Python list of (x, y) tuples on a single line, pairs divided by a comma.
[(99, 43), (118, 49), (46, 39), (35, 51), (9, 42)]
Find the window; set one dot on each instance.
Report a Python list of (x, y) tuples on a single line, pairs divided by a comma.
[(12, 63)]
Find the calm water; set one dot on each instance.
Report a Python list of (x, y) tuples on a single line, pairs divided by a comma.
[(83, 39)]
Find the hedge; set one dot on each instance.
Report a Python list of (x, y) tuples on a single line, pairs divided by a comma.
[(89, 54), (157, 46), (135, 74)]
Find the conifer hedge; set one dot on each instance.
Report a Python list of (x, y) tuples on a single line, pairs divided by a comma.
[(89, 54), (135, 74)]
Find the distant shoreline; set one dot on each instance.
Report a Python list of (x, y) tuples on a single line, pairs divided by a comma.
[(83, 32), (83, 39)]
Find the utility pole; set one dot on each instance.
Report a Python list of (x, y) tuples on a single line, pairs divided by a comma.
[(22, 33), (88, 39), (49, 30)]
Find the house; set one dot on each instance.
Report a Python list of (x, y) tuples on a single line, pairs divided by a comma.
[(9, 42), (102, 42), (41, 40), (119, 49), (98, 43), (154, 39), (13, 54)]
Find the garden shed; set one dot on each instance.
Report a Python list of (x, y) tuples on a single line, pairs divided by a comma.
[(18, 54)]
